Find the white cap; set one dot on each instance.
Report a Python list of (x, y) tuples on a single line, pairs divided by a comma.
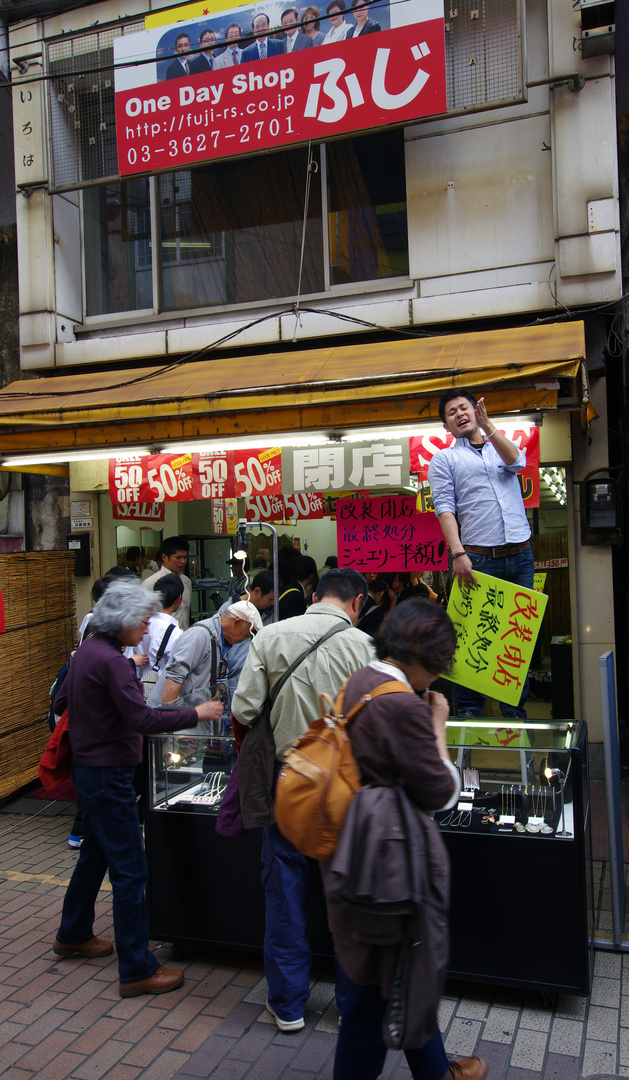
[(244, 609)]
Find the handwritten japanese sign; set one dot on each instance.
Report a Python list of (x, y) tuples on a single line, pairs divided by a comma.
[(387, 533), (497, 626)]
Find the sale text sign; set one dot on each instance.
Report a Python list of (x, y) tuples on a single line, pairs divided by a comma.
[(220, 474), (496, 625), (387, 533), (235, 83)]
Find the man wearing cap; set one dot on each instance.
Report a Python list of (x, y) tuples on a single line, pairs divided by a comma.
[(261, 594), (200, 657)]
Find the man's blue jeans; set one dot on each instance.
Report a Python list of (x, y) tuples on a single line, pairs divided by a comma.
[(360, 1051), (111, 839), (286, 877), (520, 570)]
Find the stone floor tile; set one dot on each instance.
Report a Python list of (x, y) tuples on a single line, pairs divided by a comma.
[(207, 1057), (61, 1067), (535, 1018), (469, 1009), (602, 1024), (194, 1035), (529, 1049), (605, 992), (330, 1020), (321, 995), (166, 1065), (608, 964), (500, 1025), (445, 1012), (561, 1067), (462, 1037), (571, 1006), (566, 1037), (238, 1020), (599, 1057), (623, 1045), (624, 1011), (258, 993)]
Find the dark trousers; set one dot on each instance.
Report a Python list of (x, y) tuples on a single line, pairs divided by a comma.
[(360, 1051), (111, 840)]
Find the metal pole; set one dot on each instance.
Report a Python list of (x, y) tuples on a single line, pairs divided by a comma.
[(612, 791)]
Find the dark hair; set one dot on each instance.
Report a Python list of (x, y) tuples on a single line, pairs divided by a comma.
[(381, 586), (262, 581), (133, 553), (100, 585), (340, 4), (360, 3), (291, 11), (342, 583), (450, 395), (169, 587), (256, 14), (287, 563), (238, 27), (331, 562), (305, 567), (182, 35), (418, 632), (420, 590), (171, 545), (207, 30)]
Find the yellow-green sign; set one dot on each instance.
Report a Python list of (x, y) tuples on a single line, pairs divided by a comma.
[(539, 580), (497, 625)]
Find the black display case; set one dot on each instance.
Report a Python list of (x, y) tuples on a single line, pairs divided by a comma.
[(519, 840), (519, 843)]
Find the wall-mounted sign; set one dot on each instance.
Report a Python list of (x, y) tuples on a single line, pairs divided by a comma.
[(256, 82), (81, 507), (387, 533), (334, 468), (82, 523), (131, 512)]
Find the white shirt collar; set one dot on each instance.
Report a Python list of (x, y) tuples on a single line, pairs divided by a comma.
[(391, 670)]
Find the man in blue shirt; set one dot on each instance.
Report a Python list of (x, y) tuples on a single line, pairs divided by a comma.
[(476, 479)]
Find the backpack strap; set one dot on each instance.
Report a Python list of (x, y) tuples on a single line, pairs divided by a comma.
[(393, 686), (286, 592)]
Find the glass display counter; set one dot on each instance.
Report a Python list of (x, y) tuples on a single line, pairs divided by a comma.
[(521, 910), (519, 842)]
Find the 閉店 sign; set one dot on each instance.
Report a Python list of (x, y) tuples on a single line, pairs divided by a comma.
[(174, 110)]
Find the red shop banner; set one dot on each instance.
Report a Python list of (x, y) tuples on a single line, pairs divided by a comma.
[(169, 118), (285, 509), (159, 478), (422, 448)]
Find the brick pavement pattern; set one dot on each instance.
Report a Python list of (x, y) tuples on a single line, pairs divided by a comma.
[(64, 1019)]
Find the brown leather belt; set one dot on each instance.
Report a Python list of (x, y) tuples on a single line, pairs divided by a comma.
[(498, 552)]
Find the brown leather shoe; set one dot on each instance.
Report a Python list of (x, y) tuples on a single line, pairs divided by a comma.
[(90, 949), (161, 982), (472, 1068)]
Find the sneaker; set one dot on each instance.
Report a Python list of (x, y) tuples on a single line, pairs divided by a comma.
[(468, 714), (285, 1025), (74, 841)]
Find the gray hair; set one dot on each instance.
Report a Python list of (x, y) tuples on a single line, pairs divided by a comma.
[(123, 607)]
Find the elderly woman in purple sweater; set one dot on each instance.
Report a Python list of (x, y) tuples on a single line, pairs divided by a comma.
[(107, 718)]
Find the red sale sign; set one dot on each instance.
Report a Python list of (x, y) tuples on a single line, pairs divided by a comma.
[(150, 511), (258, 472), (284, 508), (179, 114)]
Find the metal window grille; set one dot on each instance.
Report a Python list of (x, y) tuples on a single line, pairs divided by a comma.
[(81, 98), (483, 53)]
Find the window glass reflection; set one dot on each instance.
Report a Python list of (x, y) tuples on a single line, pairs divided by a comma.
[(117, 234)]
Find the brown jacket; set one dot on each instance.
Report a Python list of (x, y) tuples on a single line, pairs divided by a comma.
[(393, 742)]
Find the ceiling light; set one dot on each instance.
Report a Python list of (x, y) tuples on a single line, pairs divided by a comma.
[(77, 455)]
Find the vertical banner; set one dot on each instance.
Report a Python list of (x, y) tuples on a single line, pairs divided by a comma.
[(224, 517), (496, 627)]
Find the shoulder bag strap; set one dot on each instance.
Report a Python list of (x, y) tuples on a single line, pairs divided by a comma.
[(164, 642), (298, 661), (394, 686), (286, 592)]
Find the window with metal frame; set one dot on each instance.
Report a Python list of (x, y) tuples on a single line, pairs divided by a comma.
[(483, 53)]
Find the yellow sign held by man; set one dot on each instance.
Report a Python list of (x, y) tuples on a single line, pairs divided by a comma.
[(496, 625)]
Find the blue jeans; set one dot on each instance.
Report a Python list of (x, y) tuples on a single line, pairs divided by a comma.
[(360, 1051), (111, 839), (286, 879), (518, 569)]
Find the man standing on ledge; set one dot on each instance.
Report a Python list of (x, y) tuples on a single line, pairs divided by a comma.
[(477, 480)]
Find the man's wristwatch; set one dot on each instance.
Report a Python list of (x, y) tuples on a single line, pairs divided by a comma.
[(458, 555)]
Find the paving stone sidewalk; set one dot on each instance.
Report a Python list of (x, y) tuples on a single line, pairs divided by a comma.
[(64, 1019)]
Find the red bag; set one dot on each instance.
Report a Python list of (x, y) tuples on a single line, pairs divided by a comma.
[(54, 766)]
